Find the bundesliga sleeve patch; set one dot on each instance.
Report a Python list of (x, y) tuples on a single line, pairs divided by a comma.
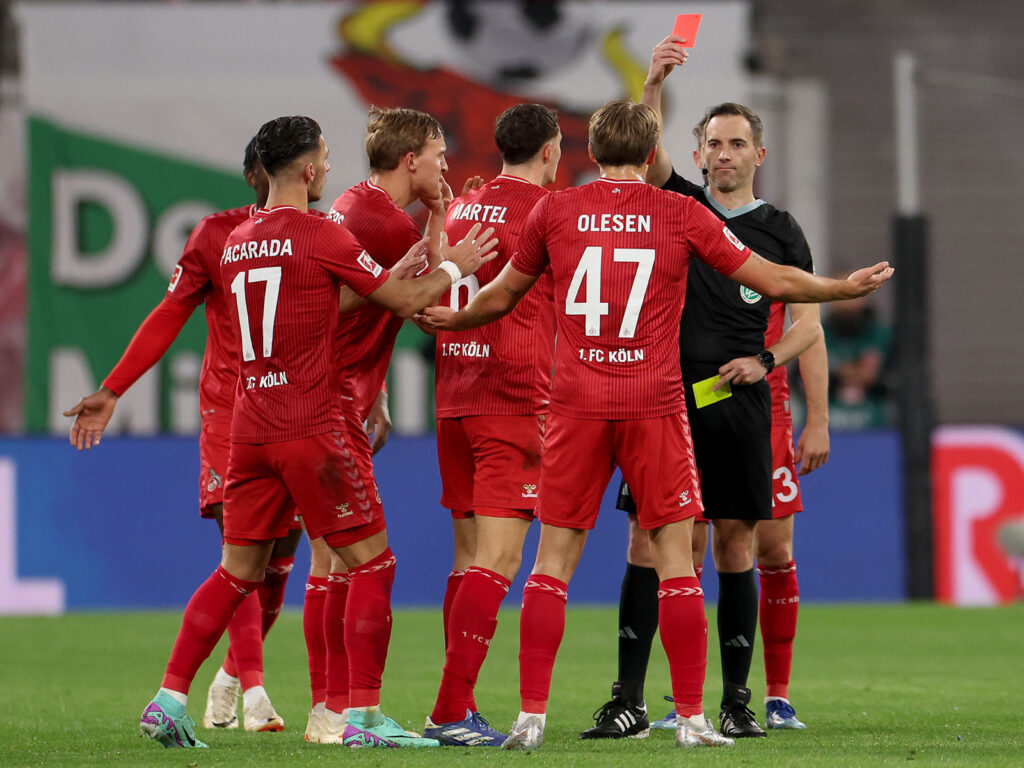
[(175, 278), (367, 263), (733, 239)]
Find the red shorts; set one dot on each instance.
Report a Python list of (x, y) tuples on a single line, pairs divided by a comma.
[(656, 458), (214, 447), (324, 475), (785, 485), (490, 462)]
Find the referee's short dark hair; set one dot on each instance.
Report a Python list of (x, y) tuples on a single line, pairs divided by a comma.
[(282, 140), (731, 108), (522, 130)]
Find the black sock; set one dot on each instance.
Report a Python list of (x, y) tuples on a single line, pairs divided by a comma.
[(638, 621), (737, 624)]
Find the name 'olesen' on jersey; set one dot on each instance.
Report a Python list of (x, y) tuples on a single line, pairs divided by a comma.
[(613, 222)]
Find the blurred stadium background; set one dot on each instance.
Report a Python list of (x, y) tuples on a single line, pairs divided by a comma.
[(122, 124)]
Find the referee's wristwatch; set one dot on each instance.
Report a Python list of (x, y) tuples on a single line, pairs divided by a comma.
[(767, 359)]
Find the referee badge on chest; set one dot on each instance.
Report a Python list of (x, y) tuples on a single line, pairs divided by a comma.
[(749, 296)]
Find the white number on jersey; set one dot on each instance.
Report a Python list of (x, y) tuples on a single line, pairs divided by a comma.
[(272, 277), (593, 308), (472, 286), (791, 488)]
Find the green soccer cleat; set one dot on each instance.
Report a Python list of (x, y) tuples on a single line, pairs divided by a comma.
[(378, 725), (166, 722)]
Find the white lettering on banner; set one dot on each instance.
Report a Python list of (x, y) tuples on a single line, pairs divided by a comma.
[(20, 596), (613, 222), (172, 231), (127, 244)]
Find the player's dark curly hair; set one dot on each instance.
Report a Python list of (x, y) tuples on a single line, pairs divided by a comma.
[(251, 159), (282, 140), (521, 131)]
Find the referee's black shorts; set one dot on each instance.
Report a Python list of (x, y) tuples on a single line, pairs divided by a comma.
[(732, 443)]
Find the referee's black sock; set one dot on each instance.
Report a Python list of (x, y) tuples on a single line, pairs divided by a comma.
[(737, 624), (638, 621)]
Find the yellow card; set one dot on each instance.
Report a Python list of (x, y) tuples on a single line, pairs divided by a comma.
[(705, 396)]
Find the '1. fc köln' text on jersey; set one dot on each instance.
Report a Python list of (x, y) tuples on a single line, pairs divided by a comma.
[(281, 272), (619, 253), (366, 335), (503, 368)]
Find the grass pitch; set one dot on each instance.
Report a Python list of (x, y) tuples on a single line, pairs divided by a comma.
[(905, 685)]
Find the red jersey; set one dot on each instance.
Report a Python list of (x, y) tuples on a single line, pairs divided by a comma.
[(281, 272), (196, 279), (366, 335), (619, 253), (503, 368), (778, 378)]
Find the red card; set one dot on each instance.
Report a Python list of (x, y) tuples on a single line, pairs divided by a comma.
[(686, 27)]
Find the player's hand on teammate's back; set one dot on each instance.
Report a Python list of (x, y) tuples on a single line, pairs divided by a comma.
[(414, 261), (869, 279), (742, 370), (472, 251), (473, 182), (666, 56), (92, 414)]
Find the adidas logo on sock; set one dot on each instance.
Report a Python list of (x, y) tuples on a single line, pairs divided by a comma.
[(737, 642)]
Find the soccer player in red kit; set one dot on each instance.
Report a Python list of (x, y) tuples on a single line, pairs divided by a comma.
[(492, 389), (619, 253), (406, 153), (290, 446), (196, 281)]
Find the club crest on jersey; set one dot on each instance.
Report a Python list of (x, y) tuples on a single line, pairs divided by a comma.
[(733, 239), (749, 296), (175, 277), (213, 482), (367, 263), (529, 490)]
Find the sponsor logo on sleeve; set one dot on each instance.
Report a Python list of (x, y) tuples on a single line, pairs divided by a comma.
[(367, 263), (175, 278), (733, 239)]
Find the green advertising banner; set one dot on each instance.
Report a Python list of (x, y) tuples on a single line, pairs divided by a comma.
[(107, 223)]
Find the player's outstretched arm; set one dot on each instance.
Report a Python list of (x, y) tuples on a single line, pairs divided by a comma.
[(92, 414), (411, 264), (794, 286), (492, 302), (666, 56), (407, 297)]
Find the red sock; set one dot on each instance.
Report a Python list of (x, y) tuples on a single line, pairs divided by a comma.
[(474, 617), (206, 617), (684, 634), (541, 626), (244, 659), (454, 581), (313, 630), (368, 627), (332, 630), (271, 591), (780, 602)]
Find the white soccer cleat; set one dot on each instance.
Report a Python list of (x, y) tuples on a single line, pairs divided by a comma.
[(221, 706), (262, 716), (527, 733), (315, 726), (696, 731)]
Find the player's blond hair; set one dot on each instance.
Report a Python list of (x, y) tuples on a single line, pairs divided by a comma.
[(391, 133), (623, 133)]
